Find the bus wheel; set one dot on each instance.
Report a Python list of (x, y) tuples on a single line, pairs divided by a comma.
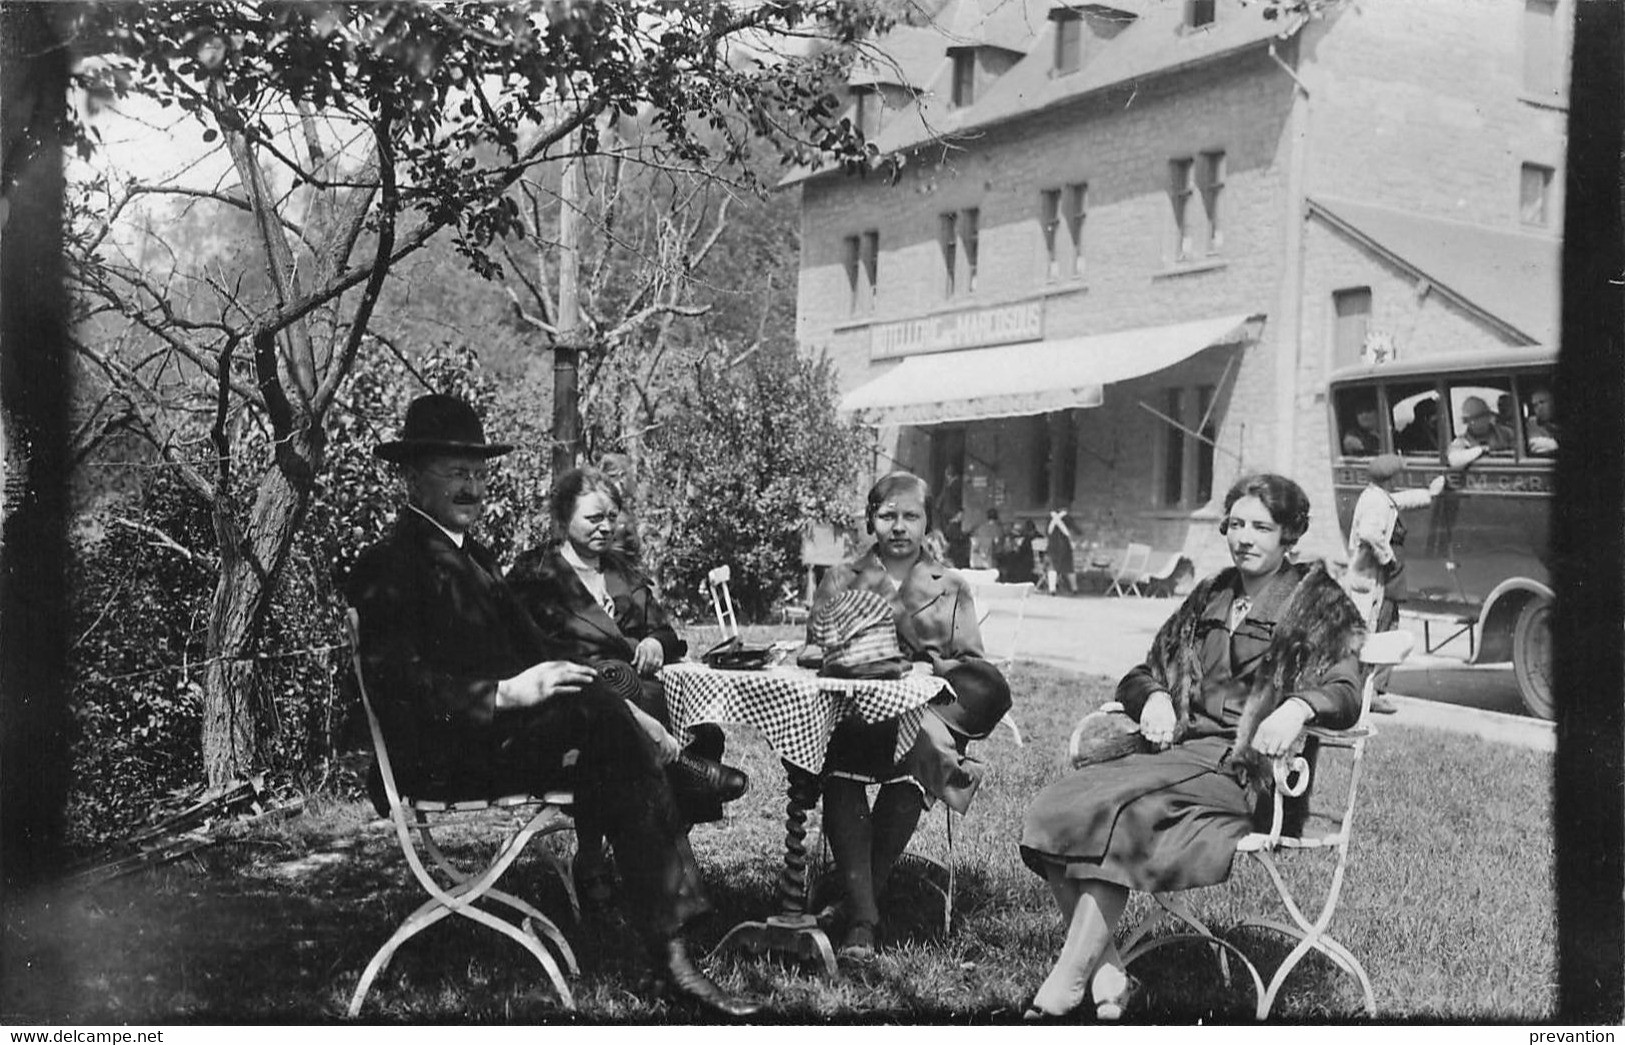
[(1532, 656)]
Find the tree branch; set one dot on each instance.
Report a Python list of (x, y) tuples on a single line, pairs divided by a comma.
[(163, 539), (380, 269)]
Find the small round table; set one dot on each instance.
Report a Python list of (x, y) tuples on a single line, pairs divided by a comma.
[(795, 710)]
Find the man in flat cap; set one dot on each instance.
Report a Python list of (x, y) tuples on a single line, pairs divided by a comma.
[(472, 706), (1376, 580)]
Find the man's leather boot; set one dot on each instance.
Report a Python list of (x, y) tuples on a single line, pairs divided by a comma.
[(683, 980), (701, 777)]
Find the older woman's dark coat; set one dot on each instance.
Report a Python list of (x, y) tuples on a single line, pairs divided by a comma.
[(577, 627)]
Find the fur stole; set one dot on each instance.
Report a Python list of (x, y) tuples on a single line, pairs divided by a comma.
[(1312, 626)]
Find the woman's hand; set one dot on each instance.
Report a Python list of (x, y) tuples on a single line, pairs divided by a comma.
[(648, 657), (1157, 720), (1278, 734), (666, 746)]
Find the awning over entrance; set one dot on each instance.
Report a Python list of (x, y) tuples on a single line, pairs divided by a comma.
[(1031, 378)]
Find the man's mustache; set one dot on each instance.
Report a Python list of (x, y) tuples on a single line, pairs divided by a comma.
[(466, 499)]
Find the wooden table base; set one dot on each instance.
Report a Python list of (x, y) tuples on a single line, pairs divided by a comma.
[(792, 931)]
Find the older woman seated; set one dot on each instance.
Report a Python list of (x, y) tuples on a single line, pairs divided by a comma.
[(936, 625), (595, 606), (1256, 653)]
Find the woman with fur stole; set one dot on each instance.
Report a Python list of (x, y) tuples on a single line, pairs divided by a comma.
[(1256, 653)]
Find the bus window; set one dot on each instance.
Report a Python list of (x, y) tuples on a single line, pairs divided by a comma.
[(1479, 414), (1357, 425), (1540, 418), (1415, 412)]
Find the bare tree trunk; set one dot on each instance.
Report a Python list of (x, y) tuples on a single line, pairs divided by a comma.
[(250, 564)]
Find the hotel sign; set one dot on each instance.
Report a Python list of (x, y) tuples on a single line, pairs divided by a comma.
[(1000, 325)]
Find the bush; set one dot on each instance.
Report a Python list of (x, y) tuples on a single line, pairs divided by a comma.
[(750, 456), (142, 586)]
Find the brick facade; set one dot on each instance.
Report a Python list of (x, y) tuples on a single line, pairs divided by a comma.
[(1411, 104)]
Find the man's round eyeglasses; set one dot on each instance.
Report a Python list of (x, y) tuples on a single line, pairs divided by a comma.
[(462, 475)]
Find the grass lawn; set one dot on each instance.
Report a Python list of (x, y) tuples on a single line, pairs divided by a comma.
[(1449, 902)]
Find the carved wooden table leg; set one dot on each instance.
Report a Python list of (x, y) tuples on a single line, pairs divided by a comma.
[(792, 930)]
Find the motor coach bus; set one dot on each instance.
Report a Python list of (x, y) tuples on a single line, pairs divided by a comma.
[(1476, 560)]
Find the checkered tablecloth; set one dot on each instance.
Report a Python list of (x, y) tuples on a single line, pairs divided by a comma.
[(793, 708)]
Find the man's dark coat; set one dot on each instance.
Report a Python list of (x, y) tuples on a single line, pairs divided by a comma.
[(438, 630)]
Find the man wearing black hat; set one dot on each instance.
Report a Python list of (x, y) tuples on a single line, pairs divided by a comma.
[(471, 705)]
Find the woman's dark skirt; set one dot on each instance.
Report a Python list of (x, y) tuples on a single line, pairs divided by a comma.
[(1158, 822)]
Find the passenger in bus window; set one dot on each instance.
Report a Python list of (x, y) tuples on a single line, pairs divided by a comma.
[(1421, 436), (1362, 438), (1541, 428), (1506, 412), (1482, 434)]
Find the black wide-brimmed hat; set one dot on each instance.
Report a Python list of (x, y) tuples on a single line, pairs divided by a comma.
[(981, 698), (440, 424)]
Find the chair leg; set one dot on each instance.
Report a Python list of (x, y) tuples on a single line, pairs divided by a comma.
[(1311, 935), (543, 926), (1219, 944), (436, 908), (953, 873), (1341, 956), (429, 912), (466, 890), (1175, 908)]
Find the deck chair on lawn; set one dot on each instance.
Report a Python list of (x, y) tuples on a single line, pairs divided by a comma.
[(1384, 649), (1161, 582), (1131, 570), (415, 821)]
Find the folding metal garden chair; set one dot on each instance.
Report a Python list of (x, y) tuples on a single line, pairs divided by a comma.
[(416, 820), (716, 584), (1001, 611), (1130, 572), (1292, 775)]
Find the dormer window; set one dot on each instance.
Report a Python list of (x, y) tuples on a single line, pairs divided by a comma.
[(964, 88), (1068, 40), (1199, 13)]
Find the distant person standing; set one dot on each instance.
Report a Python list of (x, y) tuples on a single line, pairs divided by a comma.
[(949, 509), (1376, 580), (1059, 551), (987, 543), (1016, 564)]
